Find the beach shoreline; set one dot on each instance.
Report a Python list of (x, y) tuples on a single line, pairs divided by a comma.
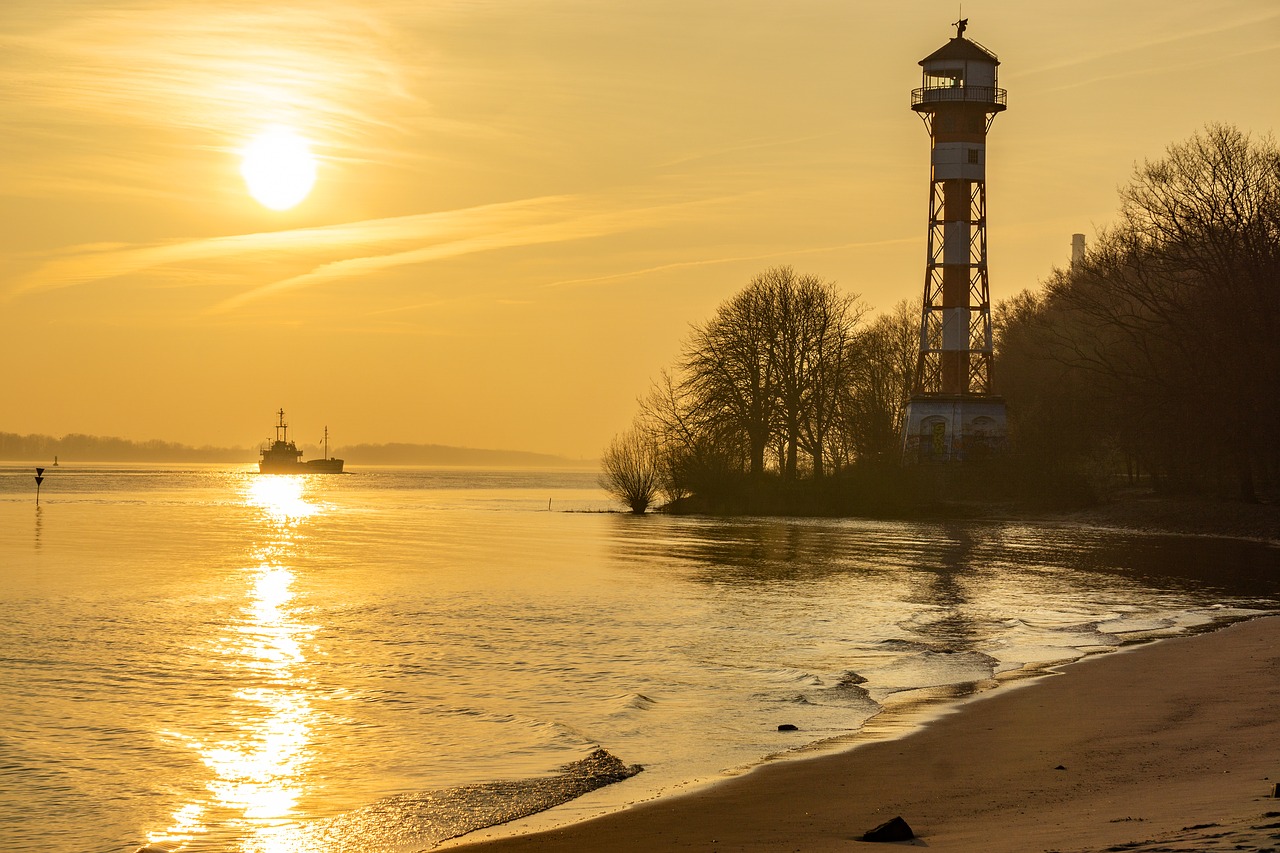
[(1164, 746)]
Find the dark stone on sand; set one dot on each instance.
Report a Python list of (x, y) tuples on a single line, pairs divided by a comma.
[(787, 727), (892, 830), (1059, 767)]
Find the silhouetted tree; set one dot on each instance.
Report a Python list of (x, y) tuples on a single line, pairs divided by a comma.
[(1058, 425), (882, 366), (728, 374), (813, 323), (693, 454), (630, 468), (765, 371), (1163, 333)]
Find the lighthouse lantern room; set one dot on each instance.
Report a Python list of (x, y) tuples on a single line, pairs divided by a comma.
[(953, 413)]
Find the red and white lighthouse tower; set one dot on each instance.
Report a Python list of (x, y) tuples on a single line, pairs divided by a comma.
[(953, 413)]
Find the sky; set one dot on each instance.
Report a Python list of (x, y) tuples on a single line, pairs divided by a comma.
[(521, 206)]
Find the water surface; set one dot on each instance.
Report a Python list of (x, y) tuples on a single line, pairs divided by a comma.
[(244, 662)]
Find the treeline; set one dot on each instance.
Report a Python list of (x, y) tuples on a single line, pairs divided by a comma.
[(97, 448), (439, 454), (77, 447), (1155, 360), (1158, 358), (788, 383)]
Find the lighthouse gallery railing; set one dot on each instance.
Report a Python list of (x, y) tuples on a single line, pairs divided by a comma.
[(975, 94)]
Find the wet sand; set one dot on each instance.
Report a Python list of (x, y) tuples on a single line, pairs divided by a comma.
[(1170, 746)]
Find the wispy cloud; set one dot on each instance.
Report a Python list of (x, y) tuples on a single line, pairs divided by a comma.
[(1131, 47), (576, 227), (360, 249), (752, 145), (1163, 69), (101, 262), (730, 259)]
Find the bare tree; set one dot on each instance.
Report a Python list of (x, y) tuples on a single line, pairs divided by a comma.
[(809, 325), (768, 366), (882, 366), (1175, 313), (630, 468), (668, 415), (830, 328), (729, 373)]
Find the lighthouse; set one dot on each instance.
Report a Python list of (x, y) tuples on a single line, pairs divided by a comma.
[(953, 414)]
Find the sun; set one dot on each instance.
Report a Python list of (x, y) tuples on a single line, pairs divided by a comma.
[(278, 168)]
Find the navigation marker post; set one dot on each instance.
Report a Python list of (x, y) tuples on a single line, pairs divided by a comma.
[(39, 480)]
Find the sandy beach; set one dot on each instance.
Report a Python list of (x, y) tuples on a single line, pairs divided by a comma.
[(1168, 746)]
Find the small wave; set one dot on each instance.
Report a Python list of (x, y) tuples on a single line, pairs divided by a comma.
[(632, 702), (429, 817), (850, 687), (1124, 624), (848, 680), (932, 668), (967, 655), (900, 645), (799, 676)]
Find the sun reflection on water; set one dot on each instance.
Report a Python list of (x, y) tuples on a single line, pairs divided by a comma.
[(259, 767), (282, 497)]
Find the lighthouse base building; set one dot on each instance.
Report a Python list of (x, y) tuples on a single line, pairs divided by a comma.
[(953, 429)]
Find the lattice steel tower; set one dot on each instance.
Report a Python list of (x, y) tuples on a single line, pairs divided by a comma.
[(953, 413)]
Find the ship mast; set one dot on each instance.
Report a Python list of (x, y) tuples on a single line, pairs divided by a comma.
[(282, 426)]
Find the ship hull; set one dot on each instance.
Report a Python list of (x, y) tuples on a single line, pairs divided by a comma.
[(281, 468), (315, 466)]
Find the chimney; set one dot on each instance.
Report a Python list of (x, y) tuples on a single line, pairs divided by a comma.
[(1077, 250)]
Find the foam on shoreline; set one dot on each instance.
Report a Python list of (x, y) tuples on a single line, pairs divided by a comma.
[(1113, 750), (903, 714)]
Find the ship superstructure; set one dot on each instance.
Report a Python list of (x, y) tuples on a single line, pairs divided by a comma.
[(282, 456)]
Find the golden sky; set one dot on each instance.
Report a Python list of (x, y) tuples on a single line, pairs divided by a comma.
[(521, 205)]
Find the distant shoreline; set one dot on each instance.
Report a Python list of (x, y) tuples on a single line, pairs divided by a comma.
[(83, 449)]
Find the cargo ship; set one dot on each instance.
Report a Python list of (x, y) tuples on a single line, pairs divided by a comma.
[(282, 456)]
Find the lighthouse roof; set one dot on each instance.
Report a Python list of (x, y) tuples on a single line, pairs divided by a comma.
[(963, 49)]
